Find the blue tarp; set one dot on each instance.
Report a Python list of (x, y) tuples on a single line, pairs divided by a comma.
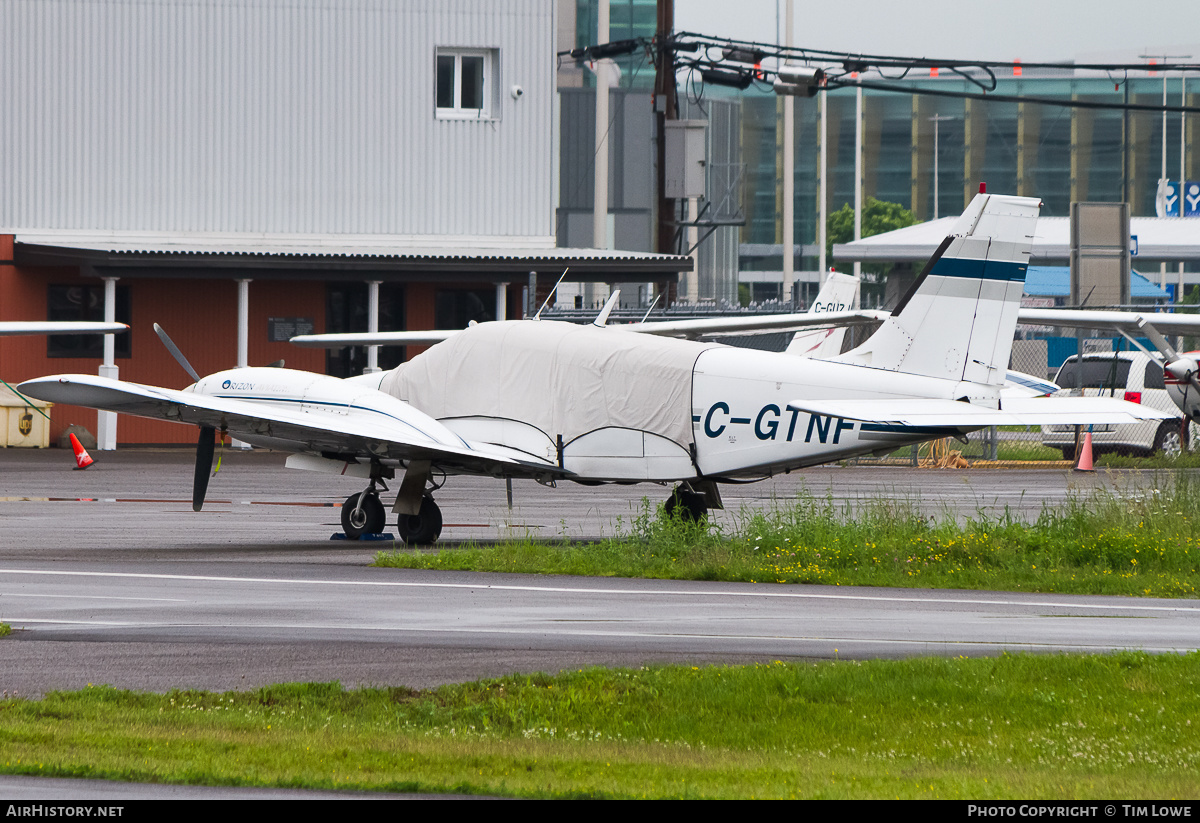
[(1055, 281)]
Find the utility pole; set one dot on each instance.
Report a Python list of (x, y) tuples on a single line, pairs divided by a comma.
[(665, 109), (1166, 58), (789, 182)]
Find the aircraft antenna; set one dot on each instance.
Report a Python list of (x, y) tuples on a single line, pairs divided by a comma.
[(538, 316), (652, 305), (602, 317)]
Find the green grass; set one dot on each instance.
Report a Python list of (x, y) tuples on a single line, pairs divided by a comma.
[(1123, 725), (1186, 460), (1025, 450), (1139, 541)]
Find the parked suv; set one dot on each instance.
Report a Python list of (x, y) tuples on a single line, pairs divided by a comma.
[(1132, 376)]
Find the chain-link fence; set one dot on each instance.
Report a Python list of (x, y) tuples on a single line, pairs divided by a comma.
[(1108, 368)]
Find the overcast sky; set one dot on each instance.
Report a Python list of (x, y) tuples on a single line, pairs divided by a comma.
[(1001, 30)]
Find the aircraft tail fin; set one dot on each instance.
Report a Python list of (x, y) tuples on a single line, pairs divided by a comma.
[(957, 320), (840, 293)]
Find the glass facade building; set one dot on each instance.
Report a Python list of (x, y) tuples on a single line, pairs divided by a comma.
[(1059, 154)]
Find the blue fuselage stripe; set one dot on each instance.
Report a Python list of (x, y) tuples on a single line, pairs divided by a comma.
[(980, 269)]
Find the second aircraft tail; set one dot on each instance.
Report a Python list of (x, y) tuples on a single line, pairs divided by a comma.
[(957, 320)]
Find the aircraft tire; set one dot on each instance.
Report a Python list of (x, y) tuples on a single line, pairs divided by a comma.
[(1168, 439), (373, 517), (423, 528), (689, 505)]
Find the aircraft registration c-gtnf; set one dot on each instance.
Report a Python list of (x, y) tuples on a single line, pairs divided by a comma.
[(556, 401)]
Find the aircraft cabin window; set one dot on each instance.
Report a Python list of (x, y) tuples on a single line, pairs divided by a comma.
[(465, 81)]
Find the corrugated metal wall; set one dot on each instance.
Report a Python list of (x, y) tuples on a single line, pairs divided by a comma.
[(289, 116)]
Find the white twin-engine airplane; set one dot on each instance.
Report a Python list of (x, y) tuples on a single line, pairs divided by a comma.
[(559, 401)]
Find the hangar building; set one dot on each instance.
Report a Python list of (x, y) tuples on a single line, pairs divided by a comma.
[(243, 170)]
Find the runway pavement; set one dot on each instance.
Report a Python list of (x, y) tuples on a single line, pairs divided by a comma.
[(108, 576)]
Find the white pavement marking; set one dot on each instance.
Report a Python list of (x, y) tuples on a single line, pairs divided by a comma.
[(981, 601)]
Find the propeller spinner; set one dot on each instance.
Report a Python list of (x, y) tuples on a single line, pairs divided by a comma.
[(1179, 366)]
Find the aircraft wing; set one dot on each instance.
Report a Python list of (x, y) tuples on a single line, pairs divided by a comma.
[(757, 324), (379, 338), (1016, 411), (309, 432), (1127, 321), (705, 327), (59, 327)]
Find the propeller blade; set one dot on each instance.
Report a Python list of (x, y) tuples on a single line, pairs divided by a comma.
[(204, 460), (177, 354)]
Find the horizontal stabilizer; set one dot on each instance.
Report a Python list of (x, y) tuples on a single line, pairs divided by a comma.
[(1016, 411)]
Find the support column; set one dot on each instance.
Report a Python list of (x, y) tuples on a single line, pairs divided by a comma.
[(243, 345), (106, 422), (823, 193), (243, 348), (858, 184), (372, 325), (501, 301)]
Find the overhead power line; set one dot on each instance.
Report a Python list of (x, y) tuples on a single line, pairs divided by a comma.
[(804, 71)]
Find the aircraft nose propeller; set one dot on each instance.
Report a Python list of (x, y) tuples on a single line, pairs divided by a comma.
[(204, 460)]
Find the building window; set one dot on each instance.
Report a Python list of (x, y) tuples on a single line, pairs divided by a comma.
[(455, 308), (85, 303), (466, 80)]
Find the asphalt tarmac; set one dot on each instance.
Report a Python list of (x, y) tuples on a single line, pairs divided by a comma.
[(108, 576)]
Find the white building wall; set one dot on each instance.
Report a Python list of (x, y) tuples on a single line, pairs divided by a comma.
[(282, 116)]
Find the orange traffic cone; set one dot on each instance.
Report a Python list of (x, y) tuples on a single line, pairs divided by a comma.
[(82, 458), (1085, 455)]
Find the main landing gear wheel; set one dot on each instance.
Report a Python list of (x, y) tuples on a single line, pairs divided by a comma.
[(689, 505), (423, 528), (370, 519)]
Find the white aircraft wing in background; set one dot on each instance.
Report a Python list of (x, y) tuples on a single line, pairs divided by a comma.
[(379, 338), (13, 327), (1118, 321)]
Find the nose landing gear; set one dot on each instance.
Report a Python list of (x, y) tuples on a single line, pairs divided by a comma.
[(363, 514)]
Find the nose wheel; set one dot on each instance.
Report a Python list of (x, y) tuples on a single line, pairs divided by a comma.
[(423, 528), (367, 518)]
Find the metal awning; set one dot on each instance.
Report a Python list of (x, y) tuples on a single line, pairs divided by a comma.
[(385, 258), (1158, 238)]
